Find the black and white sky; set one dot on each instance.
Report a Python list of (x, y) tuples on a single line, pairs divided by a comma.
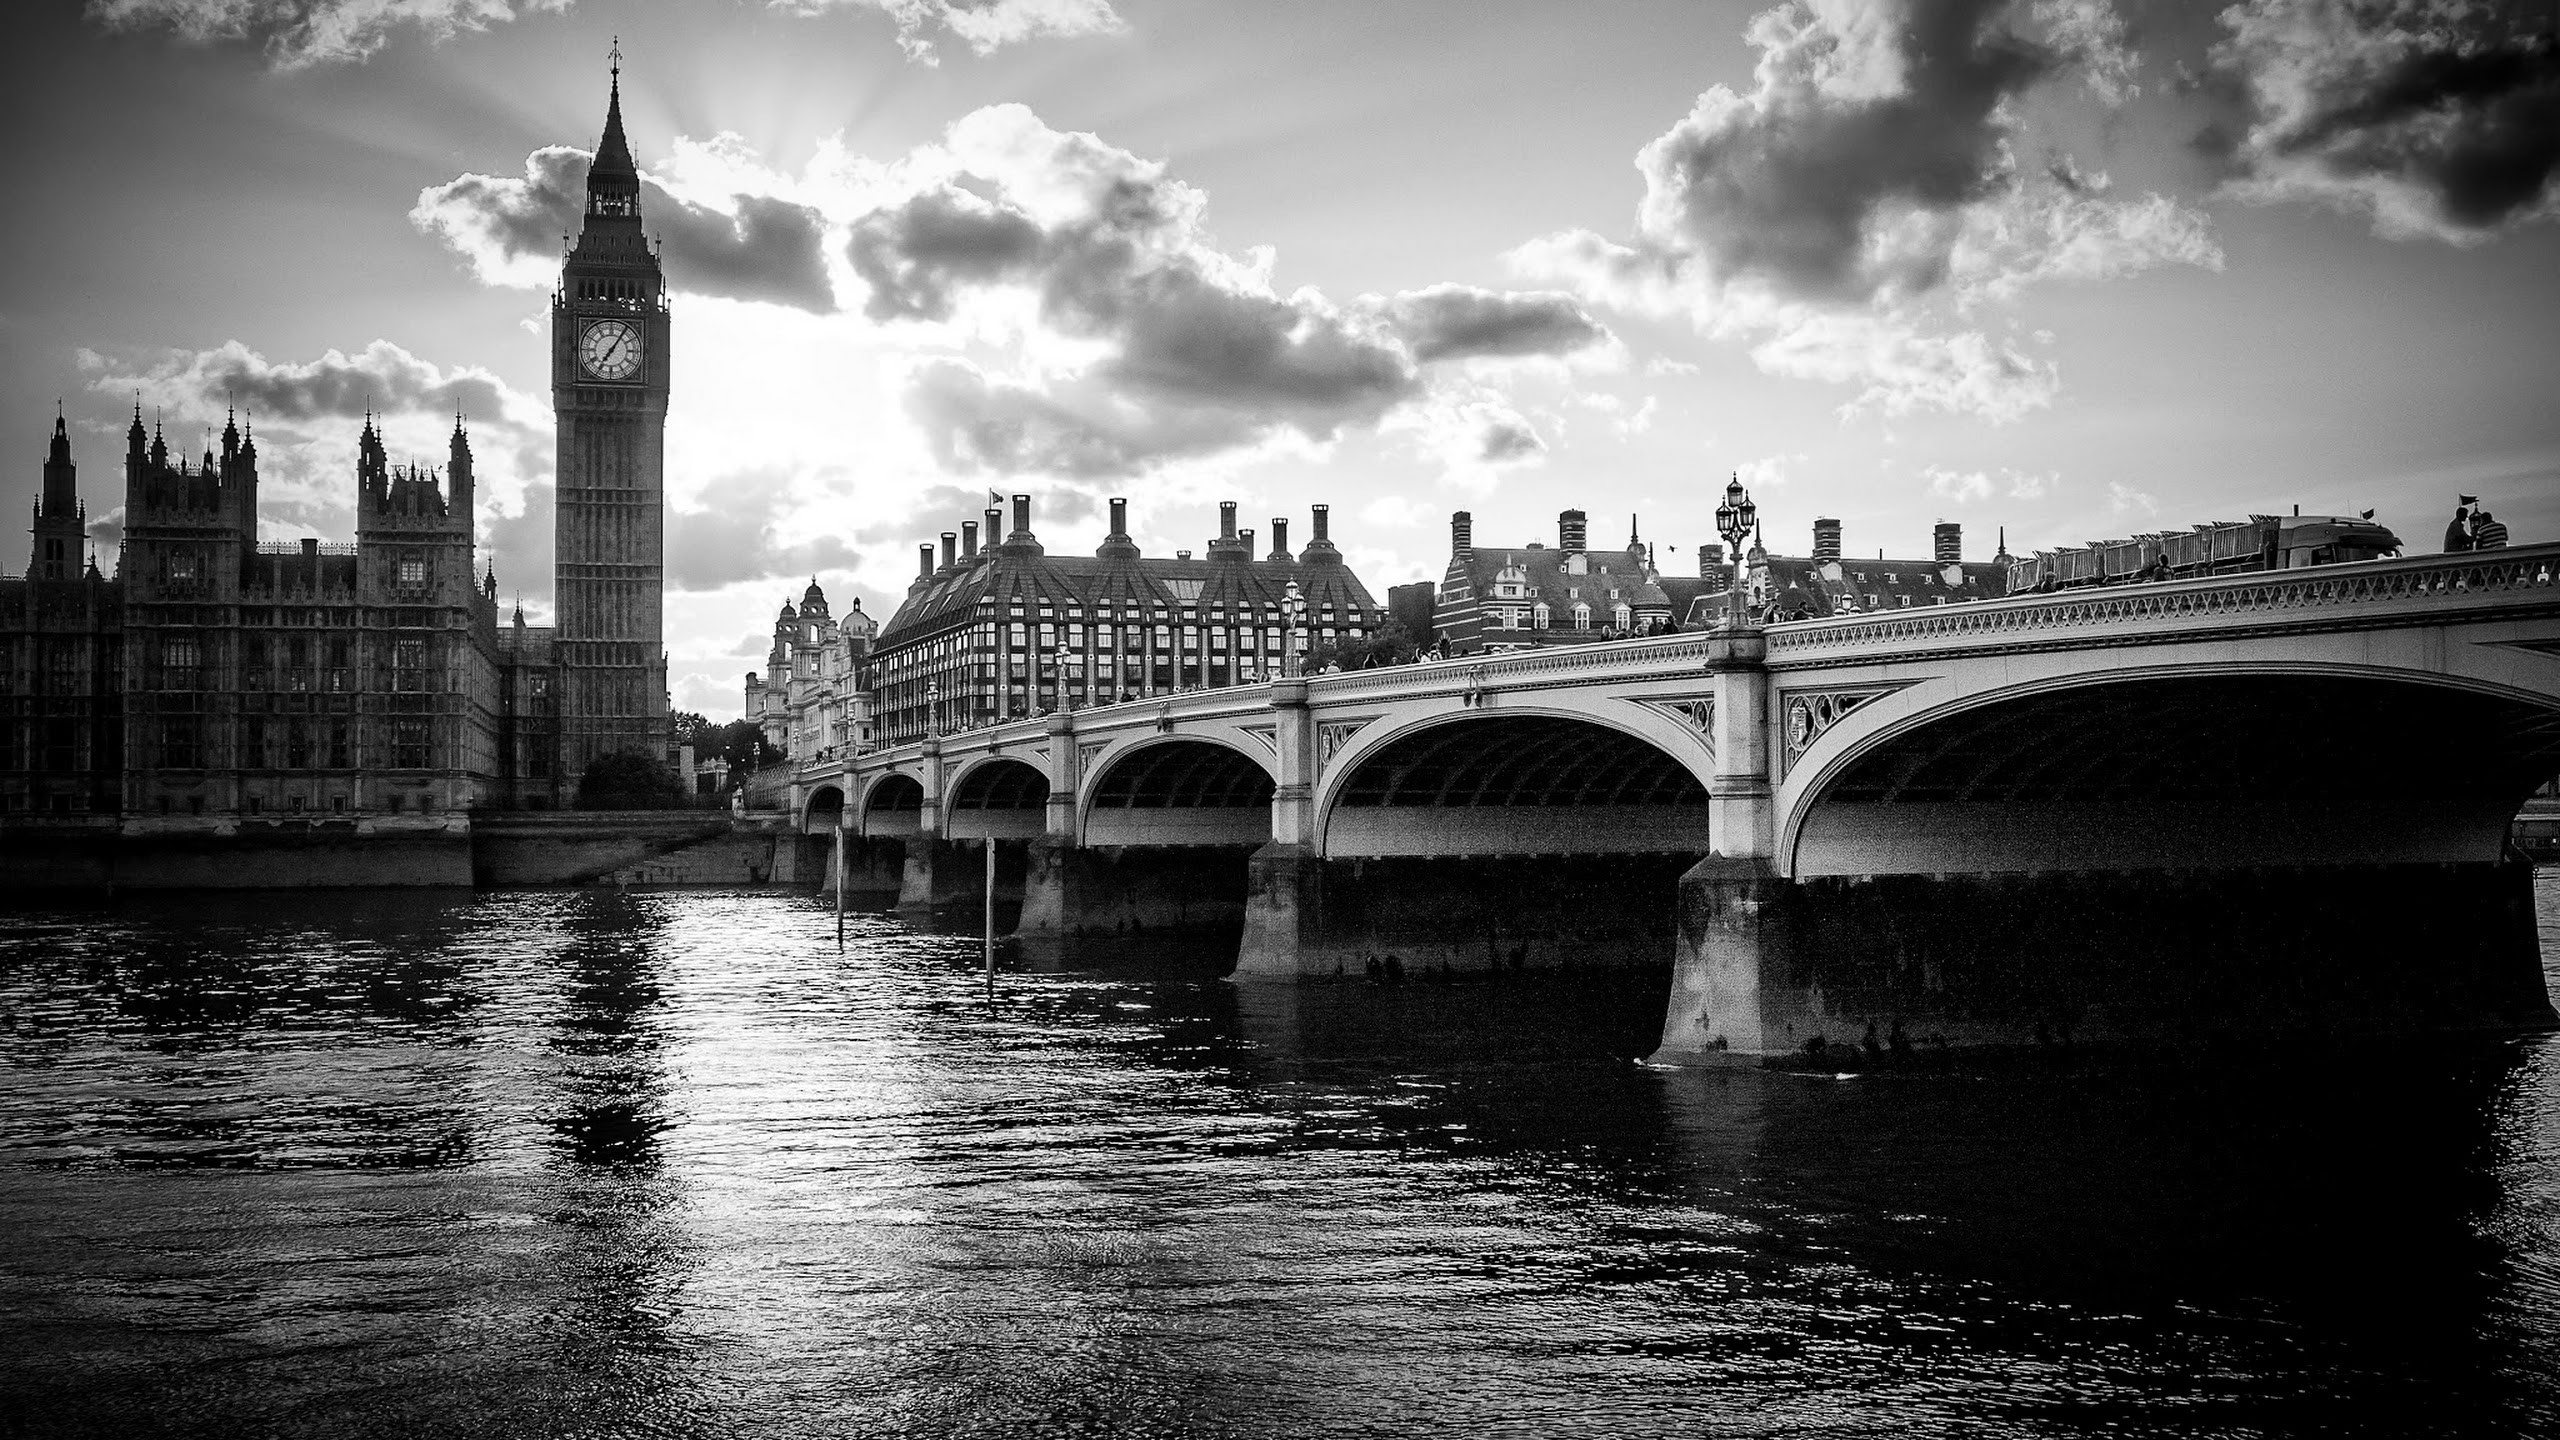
[(2075, 268)]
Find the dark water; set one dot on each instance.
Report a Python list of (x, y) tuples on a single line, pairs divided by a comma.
[(580, 1164)]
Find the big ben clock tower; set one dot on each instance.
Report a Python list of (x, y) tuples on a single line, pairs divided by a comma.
[(609, 376)]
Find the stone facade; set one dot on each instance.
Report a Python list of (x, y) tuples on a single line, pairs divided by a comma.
[(1008, 631), (812, 702), (1536, 596), (220, 687), (610, 378), (61, 663)]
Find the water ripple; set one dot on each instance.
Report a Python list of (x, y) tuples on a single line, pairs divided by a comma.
[(571, 1163)]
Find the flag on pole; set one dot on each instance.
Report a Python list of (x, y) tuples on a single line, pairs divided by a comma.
[(995, 500), (2468, 500)]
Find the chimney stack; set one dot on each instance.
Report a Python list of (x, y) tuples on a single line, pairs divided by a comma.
[(1319, 549), (1280, 538), (1950, 538), (968, 539), (1826, 540), (1711, 562), (1021, 521), (1462, 535), (1117, 545), (1228, 546), (1572, 532), (950, 549), (1244, 544), (924, 563)]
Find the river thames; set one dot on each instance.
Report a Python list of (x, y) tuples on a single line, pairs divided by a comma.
[(671, 1163)]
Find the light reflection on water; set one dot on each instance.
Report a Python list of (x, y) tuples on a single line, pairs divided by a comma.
[(670, 1163)]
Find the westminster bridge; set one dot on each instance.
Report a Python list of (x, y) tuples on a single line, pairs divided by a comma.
[(2276, 799)]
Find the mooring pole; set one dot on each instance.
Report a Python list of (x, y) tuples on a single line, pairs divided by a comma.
[(990, 917), (835, 868)]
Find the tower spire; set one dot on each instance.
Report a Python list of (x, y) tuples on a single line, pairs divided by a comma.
[(613, 181)]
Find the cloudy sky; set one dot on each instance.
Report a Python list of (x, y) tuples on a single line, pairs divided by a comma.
[(2078, 268)]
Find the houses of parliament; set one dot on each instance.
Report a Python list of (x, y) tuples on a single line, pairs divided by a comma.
[(215, 687)]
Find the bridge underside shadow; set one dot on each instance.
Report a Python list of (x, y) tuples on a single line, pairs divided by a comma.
[(997, 803), (1493, 842), (1167, 834), (2167, 860)]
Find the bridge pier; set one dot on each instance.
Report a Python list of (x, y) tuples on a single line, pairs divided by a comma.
[(1308, 917), (1072, 893), (1866, 969)]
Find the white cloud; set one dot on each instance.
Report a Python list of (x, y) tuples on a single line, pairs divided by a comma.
[(1961, 487), (1842, 217), (295, 33), (2123, 499), (1471, 433), (1768, 472)]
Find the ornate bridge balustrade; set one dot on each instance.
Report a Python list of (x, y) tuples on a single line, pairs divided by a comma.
[(2089, 813)]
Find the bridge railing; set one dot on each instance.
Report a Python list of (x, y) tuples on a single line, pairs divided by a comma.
[(2371, 592), (2381, 591)]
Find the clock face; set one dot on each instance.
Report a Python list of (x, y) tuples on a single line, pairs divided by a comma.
[(610, 350)]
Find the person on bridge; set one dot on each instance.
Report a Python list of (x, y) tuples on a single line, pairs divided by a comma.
[(2487, 534), (2457, 536)]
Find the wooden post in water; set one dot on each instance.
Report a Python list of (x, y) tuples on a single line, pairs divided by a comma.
[(988, 920), (835, 870)]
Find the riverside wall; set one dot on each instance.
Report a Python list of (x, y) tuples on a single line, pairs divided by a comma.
[(625, 847)]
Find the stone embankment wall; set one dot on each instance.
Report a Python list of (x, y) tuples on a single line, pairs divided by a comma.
[(670, 847)]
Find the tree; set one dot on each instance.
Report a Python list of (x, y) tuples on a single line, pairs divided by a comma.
[(629, 780), (1392, 644), (743, 745), (691, 728)]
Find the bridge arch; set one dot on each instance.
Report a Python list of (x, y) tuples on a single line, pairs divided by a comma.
[(998, 796), (2170, 768), (893, 804), (1178, 790), (1514, 781), (824, 812)]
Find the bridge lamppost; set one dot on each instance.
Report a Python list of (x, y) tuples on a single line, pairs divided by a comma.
[(1735, 520), (1066, 697), (1293, 612), (933, 707)]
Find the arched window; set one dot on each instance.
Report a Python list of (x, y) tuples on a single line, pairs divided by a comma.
[(1621, 615), (1581, 615), (1538, 616)]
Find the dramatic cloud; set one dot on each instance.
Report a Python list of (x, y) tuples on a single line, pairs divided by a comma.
[(760, 247), (1867, 190), (1462, 321), (295, 33), (1142, 340), (2440, 118)]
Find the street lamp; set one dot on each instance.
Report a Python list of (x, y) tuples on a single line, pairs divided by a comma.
[(1736, 518), (1293, 611), (933, 707), (1066, 697)]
